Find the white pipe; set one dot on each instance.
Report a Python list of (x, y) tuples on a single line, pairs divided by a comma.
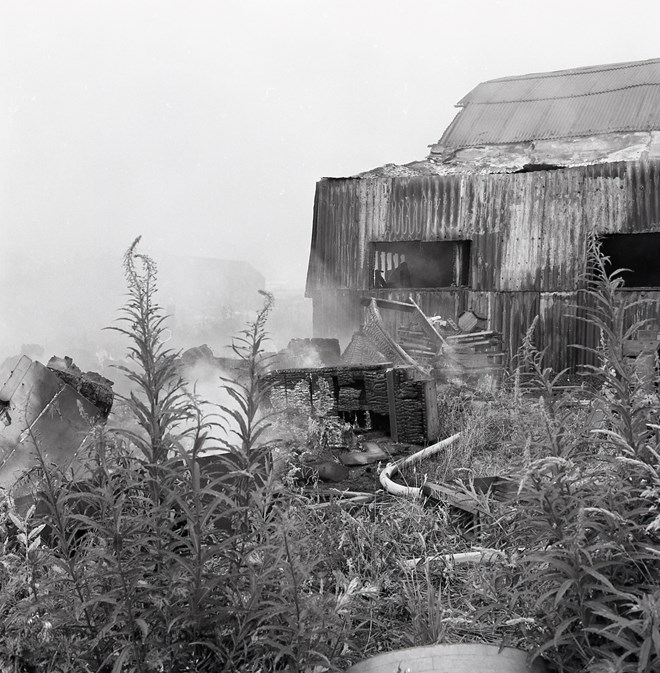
[(462, 558), (391, 468)]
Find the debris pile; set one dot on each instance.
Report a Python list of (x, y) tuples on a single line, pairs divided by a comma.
[(434, 347), (91, 385), (48, 411), (391, 399)]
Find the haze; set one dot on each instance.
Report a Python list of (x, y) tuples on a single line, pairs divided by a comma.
[(204, 126)]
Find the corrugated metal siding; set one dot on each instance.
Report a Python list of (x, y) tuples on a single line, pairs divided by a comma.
[(644, 196), (423, 208), (606, 198), (528, 231)]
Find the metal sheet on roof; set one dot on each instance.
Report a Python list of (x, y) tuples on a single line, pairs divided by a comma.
[(564, 104), (565, 83)]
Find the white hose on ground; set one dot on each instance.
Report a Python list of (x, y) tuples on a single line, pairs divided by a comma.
[(480, 556), (391, 468), (484, 555)]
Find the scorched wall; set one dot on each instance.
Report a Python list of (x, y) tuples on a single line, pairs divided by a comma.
[(528, 236)]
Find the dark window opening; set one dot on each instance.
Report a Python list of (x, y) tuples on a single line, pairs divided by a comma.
[(415, 264), (637, 252)]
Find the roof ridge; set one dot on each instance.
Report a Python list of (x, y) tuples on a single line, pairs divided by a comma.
[(576, 95), (571, 72)]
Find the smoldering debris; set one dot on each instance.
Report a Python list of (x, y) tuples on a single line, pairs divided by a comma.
[(386, 383), (308, 353)]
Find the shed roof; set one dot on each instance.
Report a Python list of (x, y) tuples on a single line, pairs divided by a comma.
[(618, 97)]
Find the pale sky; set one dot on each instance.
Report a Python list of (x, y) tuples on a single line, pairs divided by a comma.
[(204, 126)]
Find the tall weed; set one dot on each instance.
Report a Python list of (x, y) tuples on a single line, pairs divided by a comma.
[(585, 516)]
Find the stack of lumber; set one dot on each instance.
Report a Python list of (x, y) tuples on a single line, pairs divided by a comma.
[(417, 343), (477, 353)]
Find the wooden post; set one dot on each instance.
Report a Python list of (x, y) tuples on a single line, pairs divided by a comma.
[(391, 399), (432, 415)]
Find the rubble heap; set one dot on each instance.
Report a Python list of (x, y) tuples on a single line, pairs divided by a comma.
[(91, 385)]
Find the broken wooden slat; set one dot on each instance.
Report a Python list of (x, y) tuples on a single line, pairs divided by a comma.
[(634, 347), (472, 336), (388, 303), (415, 352), (453, 497), (427, 325)]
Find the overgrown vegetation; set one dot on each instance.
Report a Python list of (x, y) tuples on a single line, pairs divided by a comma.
[(161, 558), (586, 515)]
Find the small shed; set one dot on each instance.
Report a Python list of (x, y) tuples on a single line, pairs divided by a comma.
[(496, 219)]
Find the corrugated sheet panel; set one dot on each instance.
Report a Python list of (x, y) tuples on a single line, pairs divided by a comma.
[(564, 104), (644, 196), (424, 208), (335, 247), (634, 109), (566, 83)]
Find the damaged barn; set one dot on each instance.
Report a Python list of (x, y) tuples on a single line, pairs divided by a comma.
[(496, 220)]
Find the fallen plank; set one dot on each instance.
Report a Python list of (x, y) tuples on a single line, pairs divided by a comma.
[(388, 303), (427, 325), (472, 335), (452, 496)]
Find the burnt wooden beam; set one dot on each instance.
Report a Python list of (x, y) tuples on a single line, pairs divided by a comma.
[(391, 399)]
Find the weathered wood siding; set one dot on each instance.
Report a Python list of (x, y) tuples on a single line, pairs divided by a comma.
[(529, 238)]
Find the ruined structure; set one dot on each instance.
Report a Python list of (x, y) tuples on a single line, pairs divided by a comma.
[(496, 219), (50, 411), (394, 398)]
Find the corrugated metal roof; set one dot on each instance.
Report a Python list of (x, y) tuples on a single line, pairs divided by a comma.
[(563, 104)]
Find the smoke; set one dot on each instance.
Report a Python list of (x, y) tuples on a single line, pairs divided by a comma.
[(62, 304), (204, 382)]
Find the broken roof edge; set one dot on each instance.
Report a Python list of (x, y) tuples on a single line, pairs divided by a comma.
[(494, 158), (426, 167), (443, 147)]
